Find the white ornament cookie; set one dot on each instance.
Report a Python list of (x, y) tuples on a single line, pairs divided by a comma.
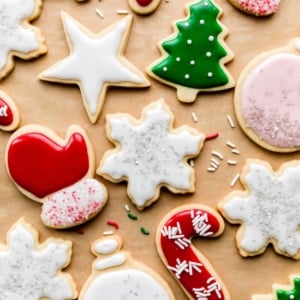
[(268, 210), (33, 270), (116, 275), (18, 38), (266, 101), (150, 154), (96, 62)]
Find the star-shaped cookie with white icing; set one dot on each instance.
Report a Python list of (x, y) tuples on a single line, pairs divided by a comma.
[(96, 62), (150, 154)]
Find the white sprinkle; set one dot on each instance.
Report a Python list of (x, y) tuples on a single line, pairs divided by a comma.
[(192, 163), (99, 13), (234, 180), (194, 116), (231, 162), (208, 54), (122, 12), (192, 62), (126, 207), (217, 154), (235, 151), (211, 38), (230, 121), (211, 169), (215, 161), (231, 145), (177, 58), (202, 22), (214, 165), (165, 69), (210, 74), (108, 232), (189, 42)]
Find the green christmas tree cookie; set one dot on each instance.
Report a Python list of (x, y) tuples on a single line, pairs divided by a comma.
[(194, 56), (281, 292)]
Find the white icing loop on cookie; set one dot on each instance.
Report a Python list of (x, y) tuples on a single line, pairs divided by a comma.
[(151, 154), (269, 210)]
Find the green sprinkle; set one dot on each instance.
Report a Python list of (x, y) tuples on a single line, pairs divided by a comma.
[(145, 231), (132, 216)]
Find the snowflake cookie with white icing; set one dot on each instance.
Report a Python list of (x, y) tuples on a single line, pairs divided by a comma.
[(17, 36), (283, 292), (150, 154), (194, 57), (116, 275), (57, 173), (266, 101), (95, 63), (268, 210), (33, 270)]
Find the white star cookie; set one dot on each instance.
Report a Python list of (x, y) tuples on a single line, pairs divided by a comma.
[(268, 210), (30, 270), (96, 62), (17, 36), (149, 154)]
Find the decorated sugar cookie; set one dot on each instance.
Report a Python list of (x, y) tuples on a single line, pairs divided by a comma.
[(56, 172), (144, 7), (191, 269), (194, 57), (9, 113), (34, 270), (283, 292), (267, 102), (18, 37), (116, 275), (267, 210), (149, 153), (259, 8), (95, 63)]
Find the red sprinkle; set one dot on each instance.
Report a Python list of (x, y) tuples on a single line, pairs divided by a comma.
[(113, 223), (211, 136), (78, 230)]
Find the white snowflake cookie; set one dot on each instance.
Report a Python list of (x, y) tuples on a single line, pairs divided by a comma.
[(267, 210), (116, 275), (96, 62), (17, 36), (150, 154), (33, 270)]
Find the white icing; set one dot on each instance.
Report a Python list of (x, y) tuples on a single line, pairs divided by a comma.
[(107, 246), (112, 261), (151, 154), (94, 61), (126, 284), (29, 271), (13, 34), (271, 210)]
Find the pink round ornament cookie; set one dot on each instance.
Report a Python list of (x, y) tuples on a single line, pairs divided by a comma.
[(258, 8), (266, 101)]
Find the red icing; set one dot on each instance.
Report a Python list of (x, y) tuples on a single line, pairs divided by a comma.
[(174, 254), (6, 114), (41, 166), (144, 2)]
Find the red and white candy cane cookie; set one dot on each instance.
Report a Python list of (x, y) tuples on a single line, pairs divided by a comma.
[(191, 269), (144, 7)]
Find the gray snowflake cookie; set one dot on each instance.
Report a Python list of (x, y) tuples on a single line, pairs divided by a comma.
[(150, 154)]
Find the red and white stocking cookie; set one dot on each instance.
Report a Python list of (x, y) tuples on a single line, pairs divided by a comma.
[(192, 270), (56, 172)]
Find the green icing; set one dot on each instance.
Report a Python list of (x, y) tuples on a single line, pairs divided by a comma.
[(294, 294), (195, 53)]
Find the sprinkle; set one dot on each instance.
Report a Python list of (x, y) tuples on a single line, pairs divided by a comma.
[(132, 216), (122, 12), (113, 223), (230, 121), (231, 162), (215, 161), (234, 180), (192, 163), (217, 154), (126, 207), (145, 231), (108, 232), (214, 165), (211, 169), (211, 136), (235, 151), (99, 13), (231, 145), (194, 116), (78, 230)]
